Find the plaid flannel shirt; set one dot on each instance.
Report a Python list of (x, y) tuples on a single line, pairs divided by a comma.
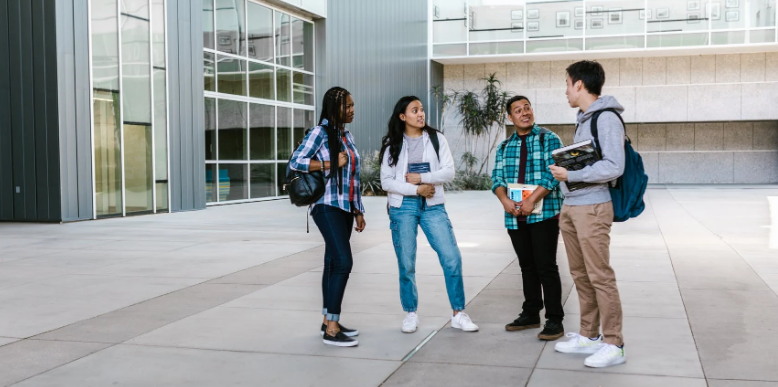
[(506, 171), (315, 146)]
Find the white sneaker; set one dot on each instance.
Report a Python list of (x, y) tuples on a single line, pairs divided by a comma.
[(606, 356), (462, 321), (410, 323), (578, 344)]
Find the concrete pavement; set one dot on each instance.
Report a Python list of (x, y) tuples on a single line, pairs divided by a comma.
[(231, 296)]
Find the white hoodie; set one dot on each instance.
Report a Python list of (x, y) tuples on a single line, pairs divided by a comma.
[(442, 171)]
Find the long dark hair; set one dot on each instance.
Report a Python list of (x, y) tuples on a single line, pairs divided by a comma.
[(394, 135), (333, 109)]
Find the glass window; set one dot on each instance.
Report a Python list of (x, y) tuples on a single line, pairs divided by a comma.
[(444, 50), (615, 17), (283, 39), (553, 20), (302, 45), (160, 137), (263, 131), (211, 183), (284, 133), (231, 75), (105, 45), (303, 88), (303, 120), (490, 20), (208, 24), (138, 182), (137, 8), (158, 32), (108, 158), (260, 30), (281, 170), (209, 71), (136, 76), (497, 48), (233, 182), (210, 129), (678, 16), (263, 180), (283, 85), (232, 130), (762, 14), (230, 26), (261, 81), (449, 23)]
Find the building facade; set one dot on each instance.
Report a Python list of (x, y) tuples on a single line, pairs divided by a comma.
[(698, 79), (126, 107)]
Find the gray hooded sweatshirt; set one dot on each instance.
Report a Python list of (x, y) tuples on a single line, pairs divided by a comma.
[(611, 135)]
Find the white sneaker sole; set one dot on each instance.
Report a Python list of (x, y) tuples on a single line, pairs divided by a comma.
[(618, 361), (585, 350), (338, 344), (464, 329), (407, 330)]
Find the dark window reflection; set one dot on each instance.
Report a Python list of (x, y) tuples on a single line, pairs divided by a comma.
[(263, 180), (232, 130)]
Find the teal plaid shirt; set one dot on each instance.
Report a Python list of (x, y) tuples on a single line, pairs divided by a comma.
[(506, 171)]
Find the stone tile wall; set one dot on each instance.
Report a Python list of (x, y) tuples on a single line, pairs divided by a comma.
[(703, 152), (694, 119), (659, 89)]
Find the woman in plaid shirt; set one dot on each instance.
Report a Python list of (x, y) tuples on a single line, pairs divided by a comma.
[(339, 208)]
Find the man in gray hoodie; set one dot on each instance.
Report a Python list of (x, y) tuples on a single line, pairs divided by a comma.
[(586, 218)]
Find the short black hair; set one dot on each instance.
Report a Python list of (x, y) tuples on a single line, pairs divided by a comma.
[(515, 99), (590, 73)]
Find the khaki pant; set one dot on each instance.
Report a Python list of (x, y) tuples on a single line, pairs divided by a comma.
[(586, 232)]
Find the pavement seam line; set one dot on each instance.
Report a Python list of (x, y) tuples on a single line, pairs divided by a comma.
[(418, 347)]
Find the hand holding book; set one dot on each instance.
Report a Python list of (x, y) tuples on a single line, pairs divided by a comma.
[(574, 158)]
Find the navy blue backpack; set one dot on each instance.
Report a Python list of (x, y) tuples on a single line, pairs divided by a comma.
[(627, 193)]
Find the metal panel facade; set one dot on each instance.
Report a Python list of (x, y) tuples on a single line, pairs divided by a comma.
[(75, 133), (187, 123), (29, 154), (378, 51)]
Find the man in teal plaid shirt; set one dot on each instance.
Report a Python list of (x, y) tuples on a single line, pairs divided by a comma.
[(524, 158)]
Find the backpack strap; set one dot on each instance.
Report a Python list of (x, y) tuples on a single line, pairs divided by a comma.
[(435, 141), (593, 127), (543, 132)]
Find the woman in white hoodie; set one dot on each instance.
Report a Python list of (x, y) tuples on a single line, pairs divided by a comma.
[(415, 163)]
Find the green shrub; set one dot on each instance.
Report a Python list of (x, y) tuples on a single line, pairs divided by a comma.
[(370, 176)]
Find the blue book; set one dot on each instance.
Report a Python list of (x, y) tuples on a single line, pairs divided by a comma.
[(419, 168)]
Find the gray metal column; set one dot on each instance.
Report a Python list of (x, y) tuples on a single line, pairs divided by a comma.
[(185, 100)]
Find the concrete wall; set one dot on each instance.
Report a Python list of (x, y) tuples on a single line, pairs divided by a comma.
[(698, 107)]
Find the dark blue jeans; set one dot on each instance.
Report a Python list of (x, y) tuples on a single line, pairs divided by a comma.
[(335, 226)]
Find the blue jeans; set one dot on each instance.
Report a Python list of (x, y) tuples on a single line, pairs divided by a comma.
[(335, 226), (405, 222)]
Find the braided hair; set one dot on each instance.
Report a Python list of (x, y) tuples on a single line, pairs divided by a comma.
[(333, 109)]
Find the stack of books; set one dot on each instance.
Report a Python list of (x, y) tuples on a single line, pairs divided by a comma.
[(576, 157), (519, 192)]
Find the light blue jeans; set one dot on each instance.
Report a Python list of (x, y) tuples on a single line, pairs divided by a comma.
[(405, 222)]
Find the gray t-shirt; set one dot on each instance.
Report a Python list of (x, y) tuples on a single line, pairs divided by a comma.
[(415, 149)]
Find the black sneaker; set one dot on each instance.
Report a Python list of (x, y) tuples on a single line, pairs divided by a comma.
[(552, 331), (524, 321), (346, 331), (339, 340)]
